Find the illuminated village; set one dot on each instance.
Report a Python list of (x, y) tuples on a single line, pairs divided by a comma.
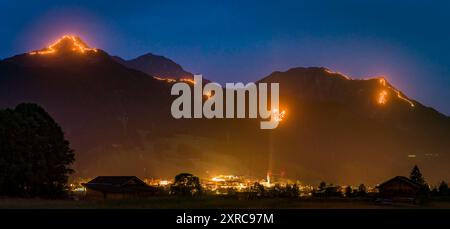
[(274, 185)]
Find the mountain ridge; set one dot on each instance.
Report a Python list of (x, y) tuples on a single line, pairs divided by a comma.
[(118, 120), (156, 65)]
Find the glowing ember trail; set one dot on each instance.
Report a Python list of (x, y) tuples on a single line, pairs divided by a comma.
[(169, 80), (67, 42), (187, 80), (172, 80), (382, 96)]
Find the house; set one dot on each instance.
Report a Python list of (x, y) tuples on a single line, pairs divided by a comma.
[(400, 186), (117, 187)]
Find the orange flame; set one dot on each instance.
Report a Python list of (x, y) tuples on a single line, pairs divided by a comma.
[(76, 43), (187, 80), (382, 96), (169, 80), (173, 80)]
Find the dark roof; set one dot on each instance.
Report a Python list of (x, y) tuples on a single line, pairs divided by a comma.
[(401, 179), (120, 189), (116, 180), (119, 184)]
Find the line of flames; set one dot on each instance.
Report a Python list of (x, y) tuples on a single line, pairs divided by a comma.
[(51, 48), (172, 80), (383, 94)]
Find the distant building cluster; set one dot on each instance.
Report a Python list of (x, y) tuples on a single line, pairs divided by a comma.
[(216, 185), (274, 186)]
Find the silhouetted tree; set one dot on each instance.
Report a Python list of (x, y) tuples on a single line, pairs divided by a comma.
[(34, 155), (322, 186), (186, 184), (276, 191), (288, 191), (293, 191), (362, 190), (434, 192), (259, 189), (333, 191), (416, 176), (443, 189), (348, 191), (325, 190)]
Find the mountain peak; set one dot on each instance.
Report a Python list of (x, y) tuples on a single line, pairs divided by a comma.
[(323, 83), (157, 66), (66, 44)]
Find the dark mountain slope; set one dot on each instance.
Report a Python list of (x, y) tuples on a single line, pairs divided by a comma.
[(342, 129), (99, 103), (119, 122), (155, 65)]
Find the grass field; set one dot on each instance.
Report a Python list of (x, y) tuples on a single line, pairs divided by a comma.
[(213, 202)]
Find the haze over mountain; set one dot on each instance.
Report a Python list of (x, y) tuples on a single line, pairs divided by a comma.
[(117, 117)]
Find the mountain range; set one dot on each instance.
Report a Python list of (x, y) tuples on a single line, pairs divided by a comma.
[(116, 114)]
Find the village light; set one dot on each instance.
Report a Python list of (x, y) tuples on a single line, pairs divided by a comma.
[(217, 179), (164, 182)]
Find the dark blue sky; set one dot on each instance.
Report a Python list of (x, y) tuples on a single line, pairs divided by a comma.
[(229, 41)]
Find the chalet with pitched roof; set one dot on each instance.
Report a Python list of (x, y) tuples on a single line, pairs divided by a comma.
[(117, 187), (400, 186)]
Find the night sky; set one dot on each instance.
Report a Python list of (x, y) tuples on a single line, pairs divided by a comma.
[(407, 41)]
